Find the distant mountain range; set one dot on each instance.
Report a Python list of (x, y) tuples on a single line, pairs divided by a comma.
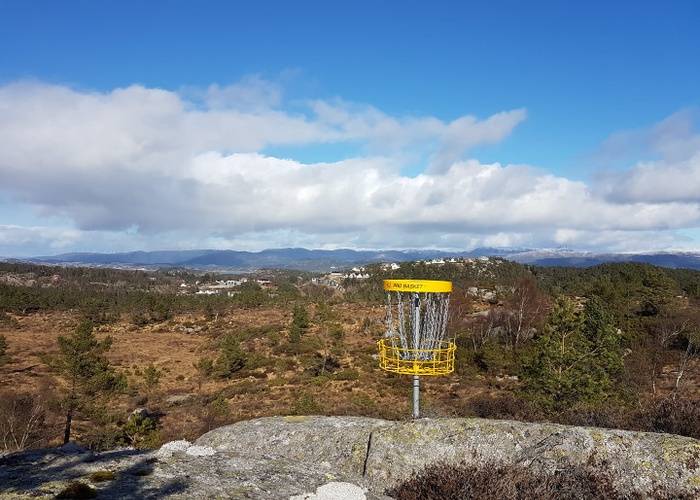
[(572, 258), (327, 260)]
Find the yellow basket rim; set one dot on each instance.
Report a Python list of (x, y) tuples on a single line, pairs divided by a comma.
[(442, 362), (433, 286)]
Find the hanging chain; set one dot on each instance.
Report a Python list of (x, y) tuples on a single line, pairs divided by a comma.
[(421, 321)]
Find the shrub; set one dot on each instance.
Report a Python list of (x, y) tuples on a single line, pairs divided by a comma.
[(140, 432), (220, 407), (277, 382), (498, 481), (21, 421), (257, 360), (349, 374), (101, 476), (612, 417), (78, 490), (305, 404), (320, 365), (320, 380), (9, 321), (506, 406), (363, 401), (673, 416), (324, 312)]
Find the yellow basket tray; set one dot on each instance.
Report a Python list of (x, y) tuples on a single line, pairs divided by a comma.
[(440, 361)]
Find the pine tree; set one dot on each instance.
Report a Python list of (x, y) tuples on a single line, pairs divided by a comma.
[(84, 368), (232, 357), (300, 317), (205, 369), (151, 376), (300, 323), (3, 349), (605, 362), (576, 359)]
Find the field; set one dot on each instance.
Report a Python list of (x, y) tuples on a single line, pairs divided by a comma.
[(278, 380)]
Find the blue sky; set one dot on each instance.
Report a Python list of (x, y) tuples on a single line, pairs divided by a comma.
[(249, 125)]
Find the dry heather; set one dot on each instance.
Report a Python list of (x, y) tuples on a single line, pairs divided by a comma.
[(324, 373), (279, 378)]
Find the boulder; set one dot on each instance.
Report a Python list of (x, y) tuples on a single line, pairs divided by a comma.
[(340, 442), (328, 458), (179, 399), (387, 453)]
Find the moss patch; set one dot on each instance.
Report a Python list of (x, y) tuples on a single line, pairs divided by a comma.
[(77, 490)]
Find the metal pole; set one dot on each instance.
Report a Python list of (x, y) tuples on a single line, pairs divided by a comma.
[(416, 326), (416, 346), (416, 396)]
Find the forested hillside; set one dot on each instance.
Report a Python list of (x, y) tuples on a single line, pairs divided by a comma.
[(614, 345)]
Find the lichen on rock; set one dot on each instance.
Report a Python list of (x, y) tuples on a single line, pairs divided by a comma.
[(312, 457)]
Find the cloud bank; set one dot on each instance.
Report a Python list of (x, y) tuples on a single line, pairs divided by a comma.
[(146, 168)]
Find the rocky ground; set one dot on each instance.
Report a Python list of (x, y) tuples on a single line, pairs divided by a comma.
[(333, 458)]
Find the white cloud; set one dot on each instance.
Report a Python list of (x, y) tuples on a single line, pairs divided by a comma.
[(147, 168), (673, 173), (250, 95), (656, 182), (467, 131), (18, 239)]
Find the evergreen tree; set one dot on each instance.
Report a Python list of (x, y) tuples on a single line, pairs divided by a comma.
[(232, 357), (605, 362), (3, 349), (300, 323), (300, 317), (205, 369), (82, 364), (576, 359), (151, 376)]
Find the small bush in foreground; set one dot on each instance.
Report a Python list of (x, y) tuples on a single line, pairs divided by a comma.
[(518, 482), (77, 490), (680, 417), (101, 476)]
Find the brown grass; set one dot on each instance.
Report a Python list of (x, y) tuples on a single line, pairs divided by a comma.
[(269, 387), (273, 382)]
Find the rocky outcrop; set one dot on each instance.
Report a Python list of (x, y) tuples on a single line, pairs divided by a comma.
[(329, 458)]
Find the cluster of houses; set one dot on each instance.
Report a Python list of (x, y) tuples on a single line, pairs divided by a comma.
[(222, 285), (333, 279)]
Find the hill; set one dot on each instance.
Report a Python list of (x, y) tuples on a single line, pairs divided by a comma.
[(327, 260)]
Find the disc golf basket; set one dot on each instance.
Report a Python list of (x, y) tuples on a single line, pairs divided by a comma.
[(416, 320)]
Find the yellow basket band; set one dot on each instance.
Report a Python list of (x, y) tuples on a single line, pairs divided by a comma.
[(418, 286)]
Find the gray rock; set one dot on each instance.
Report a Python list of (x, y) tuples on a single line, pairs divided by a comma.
[(328, 458), (178, 399), (341, 442), (334, 491), (140, 413), (637, 460)]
